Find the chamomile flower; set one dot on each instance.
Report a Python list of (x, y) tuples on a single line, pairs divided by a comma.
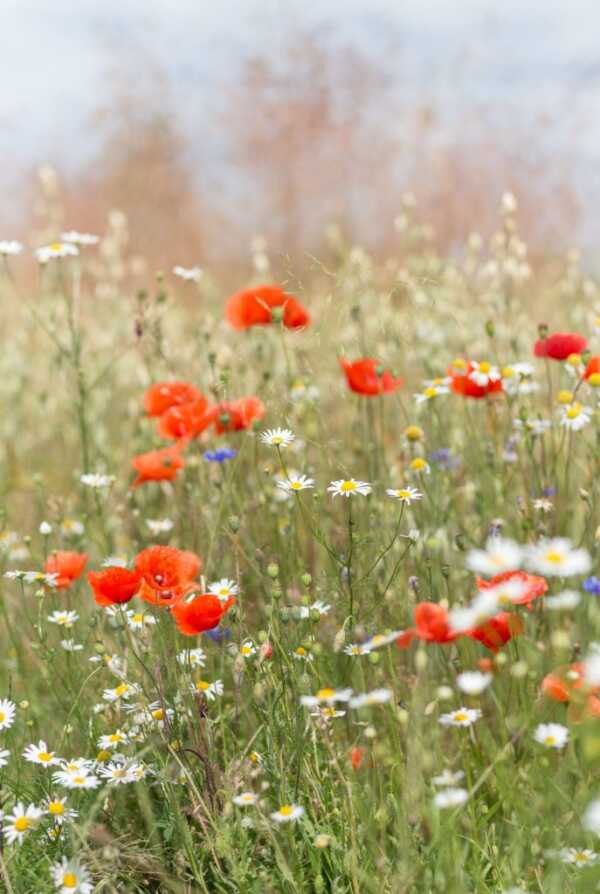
[(419, 466), (71, 527), (591, 817), (7, 713), (192, 657), (327, 713), (63, 618), (481, 609), (4, 757), (139, 620), (430, 392), (71, 877), (557, 558), (210, 690), (160, 525), (322, 608), (55, 250), (190, 274), (473, 682), (499, 555), (247, 649), (564, 601), (575, 416), (451, 797), (354, 649), (246, 799), (552, 735), (379, 640), (76, 778), (122, 691), (375, 697), (460, 717), (406, 495), (77, 238), (118, 773), (96, 480), (10, 247), (224, 588), (288, 813), (39, 754), (484, 373), (302, 654), (326, 696), (348, 487), (578, 858), (277, 437), (113, 740), (22, 820), (56, 808), (295, 482), (448, 778)]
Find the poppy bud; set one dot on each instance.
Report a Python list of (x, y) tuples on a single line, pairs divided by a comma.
[(273, 570), (490, 329), (543, 331), (277, 314), (306, 580), (266, 651)]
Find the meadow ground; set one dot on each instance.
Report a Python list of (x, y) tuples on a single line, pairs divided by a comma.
[(298, 587)]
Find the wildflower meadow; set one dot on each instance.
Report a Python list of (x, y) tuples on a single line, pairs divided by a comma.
[(300, 579)]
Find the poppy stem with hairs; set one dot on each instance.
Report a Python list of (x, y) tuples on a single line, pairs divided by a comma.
[(349, 564)]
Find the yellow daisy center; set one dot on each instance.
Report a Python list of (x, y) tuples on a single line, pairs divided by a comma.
[(138, 618), (286, 810), (484, 367), (574, 411), (507, 372), (460, 716), (554, 557), (45, 756), (121, 689), (202, 685), (594, 379), (418, 464), (56, 246), (69, 880), (348, 486), (431, 391), (56, 808), (22, 824), (326, 693), (550, 740), (2, 716)]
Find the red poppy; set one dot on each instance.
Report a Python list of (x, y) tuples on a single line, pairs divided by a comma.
[(237, 415), (462, 383), (536, 586), (593, 369), (255, 306), (201, 613), (114, 586), (185, 421), (357, 755), (567, 684), (158, 465), (68, 565), (431, 625), (366, 376), (163, 395), (496, 632), (560, 345), (167, 573)]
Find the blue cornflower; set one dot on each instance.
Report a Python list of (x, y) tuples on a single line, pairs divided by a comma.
[(444, 458), (218, 634), (592, 585), (220, 454)]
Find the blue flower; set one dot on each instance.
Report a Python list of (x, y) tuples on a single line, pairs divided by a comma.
[(592, 585), (218, 634), (444, 458), (549, 491), (220, 454)]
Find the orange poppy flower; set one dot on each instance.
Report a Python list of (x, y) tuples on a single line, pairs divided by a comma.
[(115, 585), (567, 684), (431, 625), (68, 565), (167, 573), (536, 586), (366, 376), (201, 613), (255, 307), (462, 383), (185, 420), (158, 465), (560, 345), (237, 415), (163, 395), (593, 369), (496, 632), (357, 756)]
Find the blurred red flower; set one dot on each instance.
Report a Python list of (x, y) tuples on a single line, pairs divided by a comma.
[(536, 586), (185, 420), (237, 415), (167, 573), (115, 585), (593, 369), (158, 465), (255, 306), (496, 632), (68, 565), (366, 376), (163, 395), (462, 383), (560, 345), (201, 613), (431, 625)]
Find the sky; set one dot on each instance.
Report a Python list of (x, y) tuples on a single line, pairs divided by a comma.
[(57, 57)]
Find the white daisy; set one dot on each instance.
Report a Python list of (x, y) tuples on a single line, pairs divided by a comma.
[(447, 777), (321, 607), (483, 607), (376, 697), (190, 274), (113, 740), (192, 657), (288, 813), (21, 821), (552, 735), (56, 808), (71, 527), (69, 645), (430, 392), (96, 480), (575, 416), (210, 691), (10, 247), (77, 238), (499, 555), (63, 618), (277, 437), (4, 756), (326, 696), (160, 525), (484, 373), (556, 557), (591, 817), (118, 773), (76, 779), (379, 640), (348, 487), (576, 857), (405, 494), (451, 797), (473, 682), (224, 588), (565, 600), (7, 713), (139, 620), (122, 691), (55, 250), (295, 482), (247, 649), (39, 754), (327, 713), (461, 717), (246, 799), (71, 877)]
